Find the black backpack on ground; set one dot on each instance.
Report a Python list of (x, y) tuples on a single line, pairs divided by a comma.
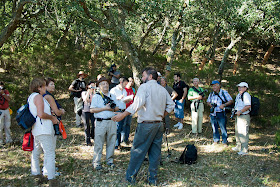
[(189, 156), (255, 105)]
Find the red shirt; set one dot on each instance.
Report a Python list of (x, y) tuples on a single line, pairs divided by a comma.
[(4, 104), (130, 91)]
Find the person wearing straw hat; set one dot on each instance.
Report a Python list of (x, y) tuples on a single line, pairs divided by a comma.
[(76, 88), (242, 120)]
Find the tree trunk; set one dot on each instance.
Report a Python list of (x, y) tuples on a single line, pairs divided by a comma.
[(236, 58), (14, 23), (166, 24), (267, 54), (210, 54), (132, 55), (195, 44), (225, 57), (94, 55)]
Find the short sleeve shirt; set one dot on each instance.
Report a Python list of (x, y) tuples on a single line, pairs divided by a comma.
[(215, 99), (77, 84), (98, 102), (114, 79), (169, 90), (179, 88), (241, 103), (193, 93)]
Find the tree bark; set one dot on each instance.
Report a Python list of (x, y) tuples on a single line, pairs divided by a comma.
[(236, 58), (166, 24), (225, 57), (267, 54), (210, 54)]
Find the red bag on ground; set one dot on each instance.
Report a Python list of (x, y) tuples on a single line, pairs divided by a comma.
[(28, 141)]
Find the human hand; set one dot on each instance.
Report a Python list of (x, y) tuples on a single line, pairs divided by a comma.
[(62, 110), (181, 100), (55, 120), (118, 117), (238, 113), (199, 97), (222, 106)]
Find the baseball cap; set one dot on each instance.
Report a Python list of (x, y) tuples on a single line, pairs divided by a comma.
[(243, 84), (215, 82)]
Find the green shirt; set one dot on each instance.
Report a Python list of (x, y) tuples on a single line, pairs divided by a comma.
[(193, 93)]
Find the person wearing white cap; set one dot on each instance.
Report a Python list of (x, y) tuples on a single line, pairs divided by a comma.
[(76, 88), (242, 120)]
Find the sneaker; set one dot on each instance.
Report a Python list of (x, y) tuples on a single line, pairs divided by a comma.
[(112, 165), (242, 153), (235, 149), (177, 125), (98, 167), (180, 126)]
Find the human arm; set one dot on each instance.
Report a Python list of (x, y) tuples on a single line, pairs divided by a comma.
[(53, 105), (184, 94), (120, 116), (5, 94), (174, 95), (39, 103), (239, 112)]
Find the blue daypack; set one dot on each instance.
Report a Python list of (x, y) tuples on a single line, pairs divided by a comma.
[(24, 117)]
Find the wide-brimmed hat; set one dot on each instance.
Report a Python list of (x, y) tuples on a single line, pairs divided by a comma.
[(103, 79), (243, 84), (82, 73)]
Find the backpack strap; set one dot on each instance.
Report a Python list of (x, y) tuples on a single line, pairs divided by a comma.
[(133, 91), (196, 90)]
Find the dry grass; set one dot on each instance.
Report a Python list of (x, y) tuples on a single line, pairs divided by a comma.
[(217, 165)]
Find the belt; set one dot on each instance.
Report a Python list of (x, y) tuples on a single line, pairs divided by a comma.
[(244, 114), (151, 121), (101, 119)]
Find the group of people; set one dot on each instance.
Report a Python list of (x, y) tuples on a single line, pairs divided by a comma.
[(110, 109)]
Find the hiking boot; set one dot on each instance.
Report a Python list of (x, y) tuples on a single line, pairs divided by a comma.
[(180, 126), (1, 142)]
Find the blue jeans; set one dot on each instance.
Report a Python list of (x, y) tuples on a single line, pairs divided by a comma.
[(179, 109), (126, 127), (119, 130), (147, 139), (219, 120)]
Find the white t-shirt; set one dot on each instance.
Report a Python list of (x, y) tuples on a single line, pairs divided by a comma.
[(120, 96), (239, 104), (41, 126)]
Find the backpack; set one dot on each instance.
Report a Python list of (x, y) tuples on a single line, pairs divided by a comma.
[(189, 156), (255, 105), (24, 117), (28, 141)]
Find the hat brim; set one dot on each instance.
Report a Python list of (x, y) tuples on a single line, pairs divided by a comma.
[(82, 74)]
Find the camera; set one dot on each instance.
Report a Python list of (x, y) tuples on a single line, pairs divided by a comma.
[(233, 112), (203, 93), (112, 104), (56, 129), (213, 106), (111, 70)]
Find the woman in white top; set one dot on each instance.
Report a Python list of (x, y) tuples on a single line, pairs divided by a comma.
[(42, 131), (86, 115)]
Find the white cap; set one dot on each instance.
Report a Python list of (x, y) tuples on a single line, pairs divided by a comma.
[(243, 84), (159, 74)]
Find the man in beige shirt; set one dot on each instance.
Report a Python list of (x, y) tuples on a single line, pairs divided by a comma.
[(152, 102)]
